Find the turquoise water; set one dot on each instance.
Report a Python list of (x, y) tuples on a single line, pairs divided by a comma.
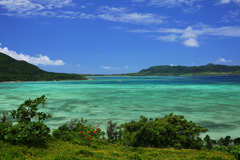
[(210, 101)]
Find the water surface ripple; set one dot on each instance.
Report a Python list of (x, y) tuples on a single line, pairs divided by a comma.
[(210, 101)]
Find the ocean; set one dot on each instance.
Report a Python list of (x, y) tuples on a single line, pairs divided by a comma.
[(212, 102)]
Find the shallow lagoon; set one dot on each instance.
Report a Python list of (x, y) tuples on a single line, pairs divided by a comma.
[(210, 101)]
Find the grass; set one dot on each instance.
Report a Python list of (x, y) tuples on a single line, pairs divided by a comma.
[(77, 149)]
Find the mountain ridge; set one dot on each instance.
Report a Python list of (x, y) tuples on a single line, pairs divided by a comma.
[(19, 70)]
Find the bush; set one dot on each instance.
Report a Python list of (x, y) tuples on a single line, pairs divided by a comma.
[(170, 131), (236, 151), (56, 133), (112, 134), (209, 142), (73, 131), (224, 142), (236, 141), (27, 132)]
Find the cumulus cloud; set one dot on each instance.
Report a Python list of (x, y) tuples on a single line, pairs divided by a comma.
[(222, 60), (172, 65), (191, 42), (126, 67), (108, 67), (189, 35), (78, 65), (40, 59)]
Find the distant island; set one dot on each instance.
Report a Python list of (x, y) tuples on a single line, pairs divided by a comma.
[(14, 70), (166, 70)]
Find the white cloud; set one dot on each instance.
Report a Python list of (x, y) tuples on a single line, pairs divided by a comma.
[(168, 38), (137, 0), (121, 15), (126, 67), (33, 8), (43, 60), (107, 67), (172, 65), (191, 42), (192, 9), (190, 34), (135, 18), (171, 3), (106, 9), (82, 6), (228, 1), (222, 60), (21, 6), (78, 65), (192, 64), (231, 16)]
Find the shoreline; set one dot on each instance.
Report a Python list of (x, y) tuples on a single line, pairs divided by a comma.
[(41, 81), (110, 76)]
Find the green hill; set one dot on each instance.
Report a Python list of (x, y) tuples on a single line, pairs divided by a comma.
[(14, 70), (209, 69)]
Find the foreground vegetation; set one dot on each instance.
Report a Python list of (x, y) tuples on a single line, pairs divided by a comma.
[(13, 70), (170, 137)]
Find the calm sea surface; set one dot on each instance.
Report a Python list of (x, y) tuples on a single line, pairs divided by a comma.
[(212, 102)]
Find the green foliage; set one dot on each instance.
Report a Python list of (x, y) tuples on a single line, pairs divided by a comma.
[(236, 151), (56, 133), (73, 131), (13, 70), (221, 148), (165, 70), (26, 132), (236, 141), (224, 142), (170, 131), (209, 142), (112, 134)]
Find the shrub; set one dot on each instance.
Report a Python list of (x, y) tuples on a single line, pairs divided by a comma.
[(72, 131), (236, 141), (27, 132), (209, 141), (56, 133), (236, 151), (112, 134), (170, 131), (224, 142)]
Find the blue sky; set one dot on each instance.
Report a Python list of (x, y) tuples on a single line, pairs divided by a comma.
[(120, 36)]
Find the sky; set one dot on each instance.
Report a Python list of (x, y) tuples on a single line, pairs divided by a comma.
[(120, 36)]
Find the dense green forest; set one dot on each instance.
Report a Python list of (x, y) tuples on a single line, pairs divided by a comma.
[(209, 69), (14, 70)]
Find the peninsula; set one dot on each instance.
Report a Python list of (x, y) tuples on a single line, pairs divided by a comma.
[(14, 70)]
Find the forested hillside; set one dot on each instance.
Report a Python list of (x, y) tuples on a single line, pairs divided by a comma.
[(209, 69), (14, 70)]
